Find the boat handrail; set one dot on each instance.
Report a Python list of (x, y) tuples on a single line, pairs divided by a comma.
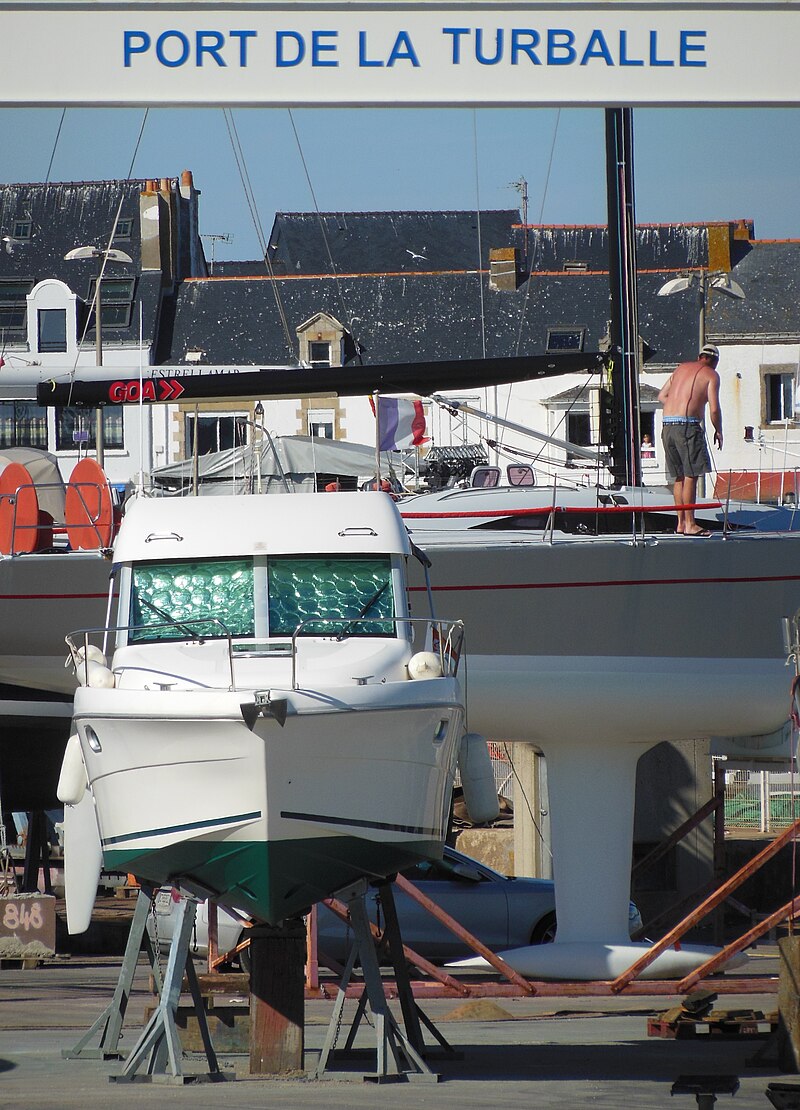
[(447, 638)]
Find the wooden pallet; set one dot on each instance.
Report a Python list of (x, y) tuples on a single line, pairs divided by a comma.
[(727, 1024)]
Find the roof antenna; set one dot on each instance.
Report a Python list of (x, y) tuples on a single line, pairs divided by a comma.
[(214, 239), (522, 188)]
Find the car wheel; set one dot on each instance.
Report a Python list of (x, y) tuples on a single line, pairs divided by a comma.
[(544, 931)]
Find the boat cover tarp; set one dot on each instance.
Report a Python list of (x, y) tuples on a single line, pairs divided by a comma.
[(299, 459), (45, 475)]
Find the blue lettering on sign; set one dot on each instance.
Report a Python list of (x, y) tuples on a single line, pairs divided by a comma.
[(457, 34), (166, 40), (552, 46), (597, 47), (319, 46), (174, 48), (561, 47), (289, 41), (403, 50), (524, 41), (687, 46)]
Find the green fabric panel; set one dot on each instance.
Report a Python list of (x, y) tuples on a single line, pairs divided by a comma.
[(185, 592), (330, 587)]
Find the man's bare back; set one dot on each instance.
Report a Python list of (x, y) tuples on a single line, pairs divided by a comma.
[(691, 387)]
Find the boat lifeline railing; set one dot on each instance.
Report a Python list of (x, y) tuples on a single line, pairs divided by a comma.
[(447, 637), (446, 641), (553, 509)]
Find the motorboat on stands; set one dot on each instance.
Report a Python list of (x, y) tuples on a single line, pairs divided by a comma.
[(45, 589), (272, 722)]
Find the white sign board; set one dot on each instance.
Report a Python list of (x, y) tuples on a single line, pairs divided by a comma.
[(68, 52)]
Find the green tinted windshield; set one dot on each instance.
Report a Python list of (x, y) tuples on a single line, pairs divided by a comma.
[(174, 601), (341, 589)]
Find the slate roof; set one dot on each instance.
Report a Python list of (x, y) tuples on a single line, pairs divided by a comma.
[(410, 318), (64, 215), (386, 242), (770, 279)]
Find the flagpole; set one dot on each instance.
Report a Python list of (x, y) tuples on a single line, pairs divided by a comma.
[(376, 399)]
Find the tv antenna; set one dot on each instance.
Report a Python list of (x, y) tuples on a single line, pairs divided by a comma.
[(214, 239)]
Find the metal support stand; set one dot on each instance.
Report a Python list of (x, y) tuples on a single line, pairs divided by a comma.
[(398, 1053), (158, 1050), (110, 1022)]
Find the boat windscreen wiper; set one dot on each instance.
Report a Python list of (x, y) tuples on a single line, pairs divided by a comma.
[(170, 620), (365, 608)]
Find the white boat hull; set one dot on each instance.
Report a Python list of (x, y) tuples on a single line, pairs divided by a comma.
[(271, 820)]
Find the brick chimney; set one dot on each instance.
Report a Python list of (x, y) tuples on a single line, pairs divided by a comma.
[(504, 269)]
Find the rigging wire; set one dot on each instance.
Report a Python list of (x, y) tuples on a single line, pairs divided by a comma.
[(55, 146), (324, 234), (536, 247), (244, 177), (101, 274), (480, 253)]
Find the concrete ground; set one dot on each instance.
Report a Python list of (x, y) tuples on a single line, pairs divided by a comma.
[(520, 1052)]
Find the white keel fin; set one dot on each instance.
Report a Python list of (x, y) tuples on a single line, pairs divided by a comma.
[(83, 860)]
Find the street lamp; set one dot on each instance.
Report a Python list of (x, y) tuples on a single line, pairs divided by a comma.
[(101, 255), (705, 282)]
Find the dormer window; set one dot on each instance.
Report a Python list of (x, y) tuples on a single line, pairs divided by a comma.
[(13, 306), (124, 229), (319, 353), (116, 301), (52, 329), (322, 341), (23, 229)]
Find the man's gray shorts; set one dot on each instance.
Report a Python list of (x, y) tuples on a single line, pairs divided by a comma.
[(685, 450)]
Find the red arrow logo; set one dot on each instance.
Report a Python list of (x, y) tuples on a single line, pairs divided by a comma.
[(170, 389)]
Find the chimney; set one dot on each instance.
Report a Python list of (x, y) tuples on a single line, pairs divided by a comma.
[(503, 269)]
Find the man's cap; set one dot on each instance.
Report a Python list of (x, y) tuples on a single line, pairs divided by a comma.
[(710, 349)]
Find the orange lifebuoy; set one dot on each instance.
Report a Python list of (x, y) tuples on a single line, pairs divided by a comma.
[(19, 511), (88, 508)]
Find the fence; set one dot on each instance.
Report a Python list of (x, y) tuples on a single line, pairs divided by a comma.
[(761, 801)]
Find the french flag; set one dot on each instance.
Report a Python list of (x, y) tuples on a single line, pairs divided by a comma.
[(401, 423)]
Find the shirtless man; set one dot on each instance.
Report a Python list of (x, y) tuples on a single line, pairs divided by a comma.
[(684, 397)]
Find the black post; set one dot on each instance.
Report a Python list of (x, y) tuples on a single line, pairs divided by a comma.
[(626, 463)]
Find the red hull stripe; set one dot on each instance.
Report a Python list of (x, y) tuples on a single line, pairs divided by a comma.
[(611, 582)]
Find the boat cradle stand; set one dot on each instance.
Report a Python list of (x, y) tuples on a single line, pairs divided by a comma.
[(158, 1054), (399, 1053), (109, 1023), (159, 1045)]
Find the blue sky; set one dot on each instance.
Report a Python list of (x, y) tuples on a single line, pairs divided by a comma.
[(691, 164)]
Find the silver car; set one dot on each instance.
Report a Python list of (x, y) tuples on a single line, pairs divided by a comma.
[(500, 910)]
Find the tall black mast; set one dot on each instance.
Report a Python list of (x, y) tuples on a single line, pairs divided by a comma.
[(626, 463)]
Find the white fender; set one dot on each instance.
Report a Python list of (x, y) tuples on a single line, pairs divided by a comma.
[(72, 781), (83, 860), (477, 778), (425, 664), (94, 674)]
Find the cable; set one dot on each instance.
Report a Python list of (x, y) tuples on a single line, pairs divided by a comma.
[(55, 145), (244, 177), (325, 240)]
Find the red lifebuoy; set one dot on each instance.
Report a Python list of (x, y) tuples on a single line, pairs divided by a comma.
[(19, 511), (88, 508)]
